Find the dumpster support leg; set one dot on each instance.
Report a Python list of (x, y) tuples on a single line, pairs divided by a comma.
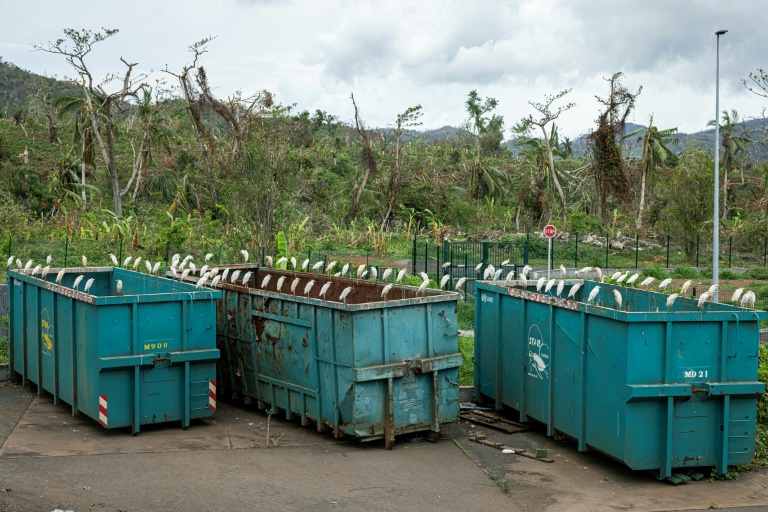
[(583, 376), (136, 397), (722, 461), (389, 427), (665, 468), (39, 346), (187, 405), (436, 402)]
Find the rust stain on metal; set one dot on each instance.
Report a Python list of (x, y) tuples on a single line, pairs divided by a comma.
[(544, 299)]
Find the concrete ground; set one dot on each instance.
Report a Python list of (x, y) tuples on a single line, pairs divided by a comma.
[(49, 460)]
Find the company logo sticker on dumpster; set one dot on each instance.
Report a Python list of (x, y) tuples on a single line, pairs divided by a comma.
[(544, 299), (538, 354), (46, 333)]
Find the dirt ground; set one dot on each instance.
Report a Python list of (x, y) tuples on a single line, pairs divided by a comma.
[(49, 460)]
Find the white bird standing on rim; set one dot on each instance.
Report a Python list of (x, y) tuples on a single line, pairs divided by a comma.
[(523, 281), (632, 279), (119, 287), (247, 278), (540, 283), (88, 285), (385, 291), (185, 273), (622, 277), (156, 267), (685, 287), (647, 282), (386, 274), (360, 270), (294, 284), (671, 300), (550, 284), (599, 274), (525, 270), (574, 289), (36, 269), (175, 259), (149, 266), (201, 281), (244, 254), (203, 269), (704, 297), (265, 281), (487, 272), (665, 283), (138, 260), (560, 288), (748, 300), (45, 271), (345, 269), (28, 266), (85, 261), (215, 281), (593, 294), (712, 289), (77, 281), (308, 287), (60, 275), (304, 264), (126, 261), (344, 293), (374, 273), (563, 271), (281, 260), (400, 275), (235, 275), (112, 257), (280, 283), (330, 266), (423, 287), (174, 273), (444, 280), (509, 278), (424, 276), (617, 297), (317, 265), (460, 283), (224, 275), (736, 295), (293, 262), (497, 274), (324, 289), (615, 275)]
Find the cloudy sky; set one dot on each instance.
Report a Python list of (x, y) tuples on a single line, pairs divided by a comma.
[(395, 54)]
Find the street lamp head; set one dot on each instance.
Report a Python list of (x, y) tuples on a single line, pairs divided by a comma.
[(720, 32)]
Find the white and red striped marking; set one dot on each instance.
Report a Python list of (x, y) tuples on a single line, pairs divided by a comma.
[(103, 410), (212, 395)]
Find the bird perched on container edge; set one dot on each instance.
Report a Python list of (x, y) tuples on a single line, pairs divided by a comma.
[(386, 274), (574, 289), (138, 260), (599, 274), (584, 271), (593, 294), (28, 266), (235, 275), (622, 277), (525, 270), (617, 296), (36, 270), (563, 271), (487, 272), (77, 281), (444, 280), (344, 293), (293, 262), (126, 261), (647, 282), (185, 273), (509, 278), (215, 281), (422, 287), (60, 275), (550, 284), (671, 300), (523, 280), (149, 266), (497, 274), (294, 284), (201, 281), (85, 261), (385, 291), (324, 289), (737, 295), (247, 278), (88, 285), (685, 287), (460, 283), (633, 278), (704, 297), (45, 271), (330, 266), (540, 283), (265, 281), (112, 257), (244, 254), (119, 287), (175, 259), (304, 264), (308, 287), (174, 273), (665, 283), (345, 269), (400, 275), (615, 275), (281, 260), (360, 270), (374, 273), (748, 300), (224, 275), (712, 289), (280, 282), (560, 288), (424, 277)]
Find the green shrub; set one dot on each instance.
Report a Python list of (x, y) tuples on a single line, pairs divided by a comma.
[(466, 314), (760, 274), (467, 368), (685, 273), (584, 223), (728, 274), (655, 271)]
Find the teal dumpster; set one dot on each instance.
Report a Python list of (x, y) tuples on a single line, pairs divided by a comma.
[(657, 388), (365, 367), (144, 355)]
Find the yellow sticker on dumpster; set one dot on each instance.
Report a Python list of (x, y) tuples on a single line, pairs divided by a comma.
[(46, 333)]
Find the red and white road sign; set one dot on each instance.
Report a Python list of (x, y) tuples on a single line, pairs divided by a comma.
[(550, 231)]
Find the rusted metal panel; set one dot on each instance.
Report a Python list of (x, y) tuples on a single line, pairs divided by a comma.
[(363, 367), (653, 386), (144, 355)]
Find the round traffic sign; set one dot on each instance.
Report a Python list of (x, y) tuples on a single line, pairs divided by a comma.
[(550, 231)]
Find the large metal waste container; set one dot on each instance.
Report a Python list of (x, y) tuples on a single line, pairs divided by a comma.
[(657, 388), (365, 367), (145, 355)]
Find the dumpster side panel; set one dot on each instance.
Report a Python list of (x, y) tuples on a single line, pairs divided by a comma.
[(568, 371)]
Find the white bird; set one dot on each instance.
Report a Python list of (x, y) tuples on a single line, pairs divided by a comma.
[(304, 264), (497, 274), (337, 274), (540, 283), (60, 275), (317, 265), (36, 269), (424, 277), (183, 264), (748, 300), (185, 273), (622, 277), (45, 271), (247, 278), (235, 275), (422, 287), (737, 294), (550, 284), (330, 266), (446, 264), (214, 272), (88, 285), (10, 261), (308, 286), (400, 275), (671, 300), (647, 282), (280, 282), (487, 272), (208, 257), (201, 281), (365, 275), (344, 293), (265, 281), (633, 278), (224, 275), (156, 267), (385, 291), (188, 258), (444, 280), (112, 257), (148, 265), (345, 269), (685, 287), (215, 281), (386, 274), (599, 274), (267, 260), (175, 260), (525, 270), (509, 277), (574, 289), (665, 283), (136, 262), (294, 284), (504, 263), (702, 299), (615, 275), (119, 287), (460, 283), (560, 288), (324, 289), (374, 273), (523, 280), (584, 270), (293, 262), (712, 289), (18, 263), (593, 294), (244, 254), (617, 296), (27, 266), (193, 267), (478, 267), (360, 270), (49, 259), (174, 273), (281, 260), (85, 261), (563, 271), (203, 269), (77, 281)]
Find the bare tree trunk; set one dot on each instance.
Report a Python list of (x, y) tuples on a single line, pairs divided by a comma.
[(553, 172), (368, 161), (82, 180), (642, 203)]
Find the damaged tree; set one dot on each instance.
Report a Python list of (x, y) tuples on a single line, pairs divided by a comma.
[(368, 161)]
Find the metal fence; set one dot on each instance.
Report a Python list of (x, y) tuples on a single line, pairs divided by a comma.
[(3, 308)]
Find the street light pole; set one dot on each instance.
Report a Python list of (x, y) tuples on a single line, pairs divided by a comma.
[(716, 235)]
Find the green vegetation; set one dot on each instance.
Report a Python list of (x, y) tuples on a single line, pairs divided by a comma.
[(4, 348), (466, 314), (467, 369)]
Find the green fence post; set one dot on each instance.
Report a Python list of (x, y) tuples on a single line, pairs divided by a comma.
[(576, 257), (667, 250), (437, 251), (218, 257), (484, 257), (66, 250), (413, 259), (730, 250), (606, 250), (698, 239), (637, 248)]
